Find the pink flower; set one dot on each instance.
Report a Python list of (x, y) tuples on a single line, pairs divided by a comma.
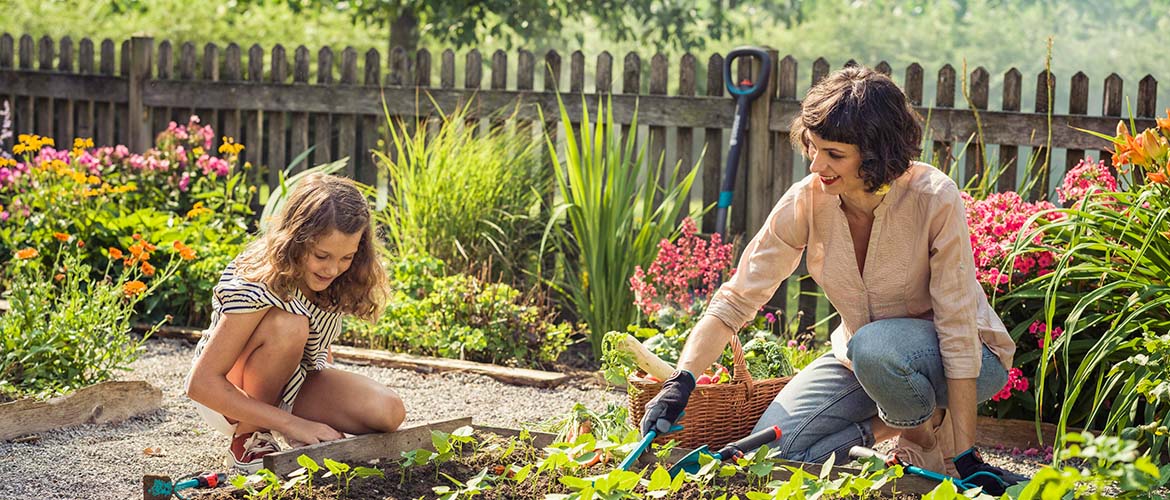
[(770, 318), (792, 343), (995, 223), (1085, 177), (1016, 381), (185, 181), (684, 270)]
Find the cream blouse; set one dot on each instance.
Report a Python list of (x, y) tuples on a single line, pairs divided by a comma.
[(919, 265)]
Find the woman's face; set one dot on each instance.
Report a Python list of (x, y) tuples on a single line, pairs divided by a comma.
[(837, 165), (328, 258)]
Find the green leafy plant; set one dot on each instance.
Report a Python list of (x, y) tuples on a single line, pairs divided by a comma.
[(344, 473), (612, 216), (1111, 468)]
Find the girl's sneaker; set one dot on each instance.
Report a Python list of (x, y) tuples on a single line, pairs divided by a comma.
[(248, 450)]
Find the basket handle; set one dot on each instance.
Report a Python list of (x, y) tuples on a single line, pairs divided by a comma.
[(739, 371)]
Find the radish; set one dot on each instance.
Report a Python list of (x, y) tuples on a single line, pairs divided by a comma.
[(704, 379)]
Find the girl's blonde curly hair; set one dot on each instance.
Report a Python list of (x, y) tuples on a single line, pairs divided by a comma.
[(318, 205)]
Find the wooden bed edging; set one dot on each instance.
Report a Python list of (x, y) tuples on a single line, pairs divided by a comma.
[(102, 403), (364, 448)]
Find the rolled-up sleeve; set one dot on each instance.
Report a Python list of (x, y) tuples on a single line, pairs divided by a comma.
[(954, 291), (768, 259)]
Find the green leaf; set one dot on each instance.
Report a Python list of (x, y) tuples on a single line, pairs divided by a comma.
[(659, 479), (308, 463)]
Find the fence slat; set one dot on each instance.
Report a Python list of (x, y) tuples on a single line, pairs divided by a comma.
[(210, 115), (782, 157), (577, 72), (44, 108), (1111, 105), (277, 154), (760, 174), (944, 97), (299, 122), (232, 73), (1078, 104), (322, 122), (6, 51), (603, 80), (65, 122), (820, 69), (473, 70), (913, 84), (525, 70), (367, 171), (399, 68), (105, 110), (187, 61), (685, 136), (447, 70), (45, 53), (713, 137), (1009, 154), (26, 52), (253, 121), (85, 110), (138, 116), (884, 68), (121, 111), (499, 70), (659, 73), (552, 83), (1042, 172), (1147, 99), (422, 68), (631, 84), (164, 70), (346, 124), (979, 85)]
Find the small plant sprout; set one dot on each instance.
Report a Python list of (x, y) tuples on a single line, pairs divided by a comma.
[(474, 486), (344, 473), (265, 478), (309, 468)]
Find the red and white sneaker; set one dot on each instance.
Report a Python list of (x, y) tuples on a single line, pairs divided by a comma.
[(248, 450)]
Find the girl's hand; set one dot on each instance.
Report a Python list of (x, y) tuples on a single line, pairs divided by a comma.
[(308, 432)]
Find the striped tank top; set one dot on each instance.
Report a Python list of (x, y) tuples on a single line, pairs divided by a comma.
[(235, 295)]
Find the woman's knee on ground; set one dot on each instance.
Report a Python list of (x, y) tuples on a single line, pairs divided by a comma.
[(386, 412)]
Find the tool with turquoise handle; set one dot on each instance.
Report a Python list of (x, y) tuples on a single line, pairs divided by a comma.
[(691, 465)]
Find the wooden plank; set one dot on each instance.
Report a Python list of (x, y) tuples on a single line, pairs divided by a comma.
[(603, 79), (656, 135), (978, 90), (85, 111), (783, 159), (518, 376), (1078, 104), (884, 68), (232, 72), (253, 122), (552, 81), (1147, 100), (713, 142), (400, 68), (1042, 168), (944, 97), (277, 156), (631, 85), (577, 72), (422, 68), (1009, 154), (322, 121), (105, 109), (447, 70), (367, 170), (138, 117), (913, 84), (347, 123), (992, 432), (210, 115), (361, 449), (472, 80), (761, 173), (1111, 107), (103, 403), (685, 136), (499, 79), (164, 70), (820, 69), (65, 121), (6, 51), (44, 107), (525, 70)]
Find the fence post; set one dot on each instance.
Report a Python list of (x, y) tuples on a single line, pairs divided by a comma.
[(761, 170), (139, 116)]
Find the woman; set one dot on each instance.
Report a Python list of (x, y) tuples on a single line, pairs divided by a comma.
[(886, 238)]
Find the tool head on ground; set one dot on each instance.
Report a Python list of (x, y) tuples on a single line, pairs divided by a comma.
[(691, 463), (890, 460), (156, 487)]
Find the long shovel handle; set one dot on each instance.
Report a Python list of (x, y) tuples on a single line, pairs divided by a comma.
[(744, 92), (747, 444), (863, 452)]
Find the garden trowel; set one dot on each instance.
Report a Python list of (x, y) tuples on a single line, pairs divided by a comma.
[(863, 452), (690, 463), (645, 443)]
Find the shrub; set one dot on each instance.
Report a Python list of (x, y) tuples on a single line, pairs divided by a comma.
[(460, 316)]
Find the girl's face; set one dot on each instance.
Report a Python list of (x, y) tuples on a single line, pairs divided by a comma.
[(837, 164), (328, 258)]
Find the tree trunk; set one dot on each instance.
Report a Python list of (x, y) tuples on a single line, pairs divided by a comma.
[(404, 33)]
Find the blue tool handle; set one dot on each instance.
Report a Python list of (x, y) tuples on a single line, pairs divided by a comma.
[(645, 443), (757, 86), (863, 452)]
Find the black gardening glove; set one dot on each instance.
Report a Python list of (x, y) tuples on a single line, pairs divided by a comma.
[(975, 472), (665, 408)]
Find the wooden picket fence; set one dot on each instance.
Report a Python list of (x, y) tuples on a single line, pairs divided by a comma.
[(135, 91)]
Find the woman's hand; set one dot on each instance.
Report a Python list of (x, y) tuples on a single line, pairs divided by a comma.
[(308, 432)]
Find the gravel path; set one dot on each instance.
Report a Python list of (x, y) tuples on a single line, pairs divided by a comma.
[(103, 462)]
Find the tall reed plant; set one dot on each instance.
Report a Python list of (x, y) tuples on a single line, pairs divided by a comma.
[(1109, 290), (464, 196), (607, 220)]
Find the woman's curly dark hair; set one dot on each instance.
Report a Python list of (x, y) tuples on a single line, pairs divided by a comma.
[(860, 106)]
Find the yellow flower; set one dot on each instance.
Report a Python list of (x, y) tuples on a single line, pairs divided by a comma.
[(198, 210), (230, 147), (93, 179), (197, 152), (133, 288), (27, 253), (7, 162), (82, 143)]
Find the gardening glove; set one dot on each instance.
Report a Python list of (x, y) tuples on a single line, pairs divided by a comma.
[(974, 471), (665, 408)]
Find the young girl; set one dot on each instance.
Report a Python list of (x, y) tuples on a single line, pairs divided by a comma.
[(264, 364)]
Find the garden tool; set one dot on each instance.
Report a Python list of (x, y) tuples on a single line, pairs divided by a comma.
[(690, 463), (162, 488), (645, 443), (863, 452), (745, 92)]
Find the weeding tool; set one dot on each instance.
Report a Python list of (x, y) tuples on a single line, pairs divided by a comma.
[(645, 443), (745, 92), (863, 452), (162, 488), (690, 463)]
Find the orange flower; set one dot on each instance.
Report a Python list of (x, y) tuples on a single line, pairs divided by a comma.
[(59, 276), (115, 253), (136, 249), (137, 236), (27, 253), (185, 252), (147, 269), (148, 246), (1157, 177), (61, 236), (80, 244), (1164, 123), (133, 288)]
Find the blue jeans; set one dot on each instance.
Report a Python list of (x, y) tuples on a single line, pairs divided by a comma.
[(897, 375)]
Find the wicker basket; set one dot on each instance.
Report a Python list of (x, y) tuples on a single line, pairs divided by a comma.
[(716, 414)]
